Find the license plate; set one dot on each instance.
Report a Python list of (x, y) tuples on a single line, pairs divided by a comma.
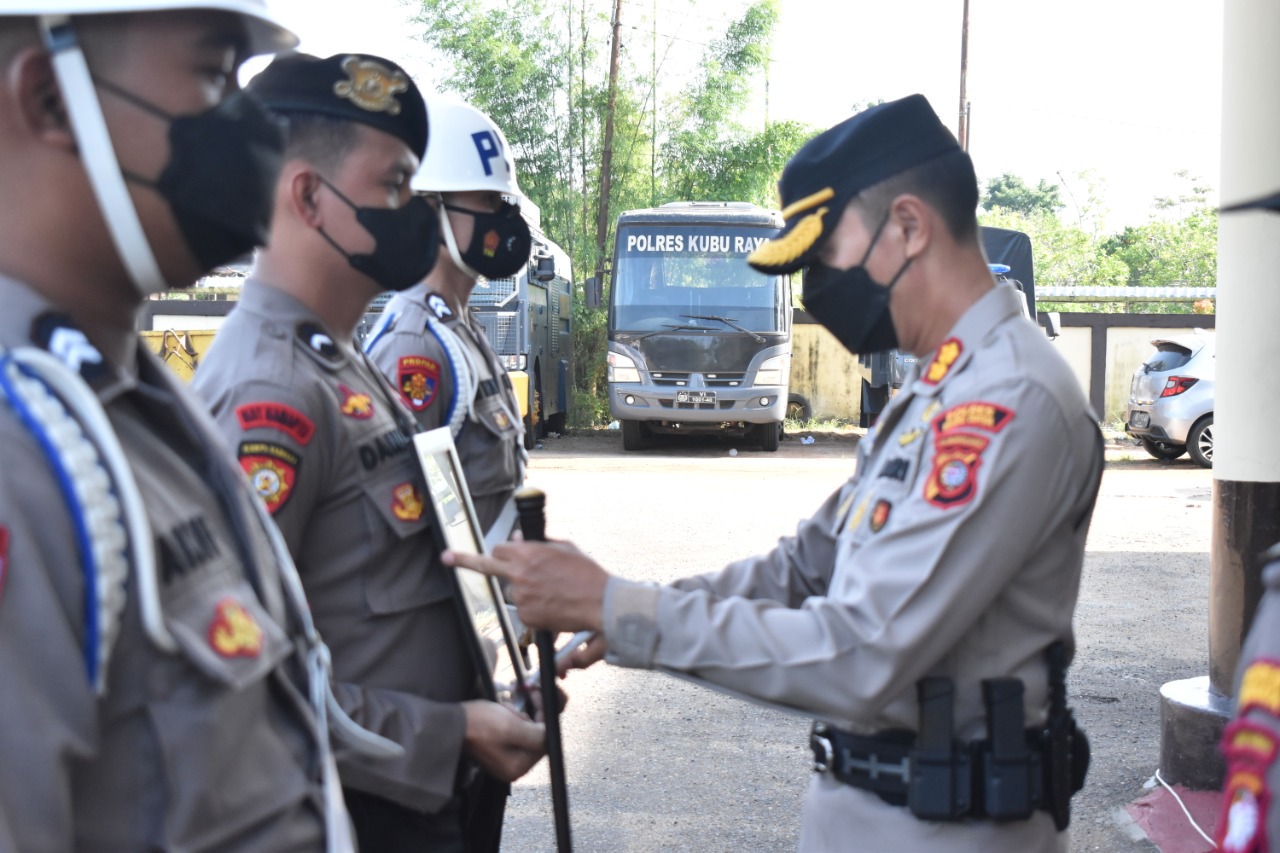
[(699, 397), (1140, 420)]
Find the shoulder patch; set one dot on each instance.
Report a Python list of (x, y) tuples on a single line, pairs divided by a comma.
[(985, 416), (948, 352), (233, 633), (319, 341), (1260, 688), (418, 379), (272, 471), (355, 404), (1242, 826), (277, 416), (1246, 741), (437, 305), (954, 479)]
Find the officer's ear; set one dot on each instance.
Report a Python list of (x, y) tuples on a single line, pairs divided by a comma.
[(914, 221), (32, 88), (302, 185)]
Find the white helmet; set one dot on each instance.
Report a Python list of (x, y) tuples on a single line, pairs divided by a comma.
[(55, 17), (466, 151)]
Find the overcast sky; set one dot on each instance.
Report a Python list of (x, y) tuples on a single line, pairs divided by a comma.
[(1127, 88)]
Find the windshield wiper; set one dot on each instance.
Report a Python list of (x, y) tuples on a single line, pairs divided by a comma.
[(668, 327), (728, 322)]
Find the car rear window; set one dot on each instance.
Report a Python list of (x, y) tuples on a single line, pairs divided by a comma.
[(1167, 357)]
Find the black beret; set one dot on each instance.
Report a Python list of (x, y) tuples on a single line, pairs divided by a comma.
[(837, 164), (349, 86), (1269, 202)]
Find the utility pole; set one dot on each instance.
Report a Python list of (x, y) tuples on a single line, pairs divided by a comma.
[(606, 160), (963, 127)]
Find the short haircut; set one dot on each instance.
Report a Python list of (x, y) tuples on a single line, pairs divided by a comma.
[(322, 141), (947, 184)]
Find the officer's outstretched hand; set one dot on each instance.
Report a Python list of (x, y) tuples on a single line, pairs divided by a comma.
[(553, 585), (503, 742)]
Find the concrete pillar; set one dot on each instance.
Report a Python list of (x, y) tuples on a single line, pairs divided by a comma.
[(1246, 464)]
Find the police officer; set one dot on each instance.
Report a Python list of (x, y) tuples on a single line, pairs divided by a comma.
[(922, 612), (155, 689), (1250, 820), (327, 444), (428, 342)]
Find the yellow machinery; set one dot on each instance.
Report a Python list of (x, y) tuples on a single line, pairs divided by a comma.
[(181, 351)]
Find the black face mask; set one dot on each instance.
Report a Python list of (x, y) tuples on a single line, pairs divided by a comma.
[(220, 181), (406, 241), (852, 305), (500, 241)]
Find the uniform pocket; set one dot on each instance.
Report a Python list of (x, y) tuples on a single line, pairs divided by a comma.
[(226, 634), (408, 573)]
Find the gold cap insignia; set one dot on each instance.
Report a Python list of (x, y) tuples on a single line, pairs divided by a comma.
[(371, 85), (784, 250)]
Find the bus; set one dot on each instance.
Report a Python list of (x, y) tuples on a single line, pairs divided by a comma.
[(698, 341)]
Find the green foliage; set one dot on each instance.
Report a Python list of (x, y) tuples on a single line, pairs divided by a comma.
[(539, 67), (1011, 193)]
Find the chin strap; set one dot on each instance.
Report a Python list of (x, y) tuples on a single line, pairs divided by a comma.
[(452, 243), (93, 143)]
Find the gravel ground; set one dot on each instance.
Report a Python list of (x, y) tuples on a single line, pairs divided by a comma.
[(655, 764)]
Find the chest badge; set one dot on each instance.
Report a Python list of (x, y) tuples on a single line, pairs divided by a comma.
[(233, 633), (946, 357), (501, 419), (954, 478), (910, 436), (406, 502), (418, 379), (356, 405), (271, 469), (880, 516)]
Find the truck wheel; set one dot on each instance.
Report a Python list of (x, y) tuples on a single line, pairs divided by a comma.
[(798, 408), (769, 434), (633, 437), (1200, 442)]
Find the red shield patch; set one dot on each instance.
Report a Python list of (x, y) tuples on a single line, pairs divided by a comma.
[(418, 379), (277, 416), (880, 516), (272, 471), (1242, 827), (233, 633), (356, 405), (954, 478), (406, 502)]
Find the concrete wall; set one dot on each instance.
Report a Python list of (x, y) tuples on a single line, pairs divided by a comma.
[(1103, 351)]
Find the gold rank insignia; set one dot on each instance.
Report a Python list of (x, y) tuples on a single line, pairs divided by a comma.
[(929, 411), (406, 502), (800, 238), (942, 362), (909, 436), (371, 85), (233, 633), (858, 513)]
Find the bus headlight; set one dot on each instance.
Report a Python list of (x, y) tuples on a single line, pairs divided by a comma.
[(622, 368), (771, 372)]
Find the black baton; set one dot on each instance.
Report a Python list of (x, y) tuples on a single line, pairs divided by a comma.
[(533, 524)]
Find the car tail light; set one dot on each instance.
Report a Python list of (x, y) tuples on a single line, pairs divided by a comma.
[(1177, 384)]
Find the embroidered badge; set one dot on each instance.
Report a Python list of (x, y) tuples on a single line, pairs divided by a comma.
[(1240, 830), (800, 238), (320, 341), (986, 416), (895, 469), (1250, 742), (418, 379), (490, 247), (1260, 688), (880, 516), (272, 471), (233, 633), (953, 480), (371, 85), (406, 503), (356, 405), (4, 557), (501, 419), (943, 360), (438, 306), (277, 416), (910, 436)]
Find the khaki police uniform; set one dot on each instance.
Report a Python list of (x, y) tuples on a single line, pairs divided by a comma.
[(955, 550), (447, 373), (1250, 821), (209, 747), (329, 449)]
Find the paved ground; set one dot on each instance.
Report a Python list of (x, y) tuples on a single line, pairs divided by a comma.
[(655, 764)]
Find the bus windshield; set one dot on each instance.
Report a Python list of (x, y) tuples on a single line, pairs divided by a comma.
[(691, 277)]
